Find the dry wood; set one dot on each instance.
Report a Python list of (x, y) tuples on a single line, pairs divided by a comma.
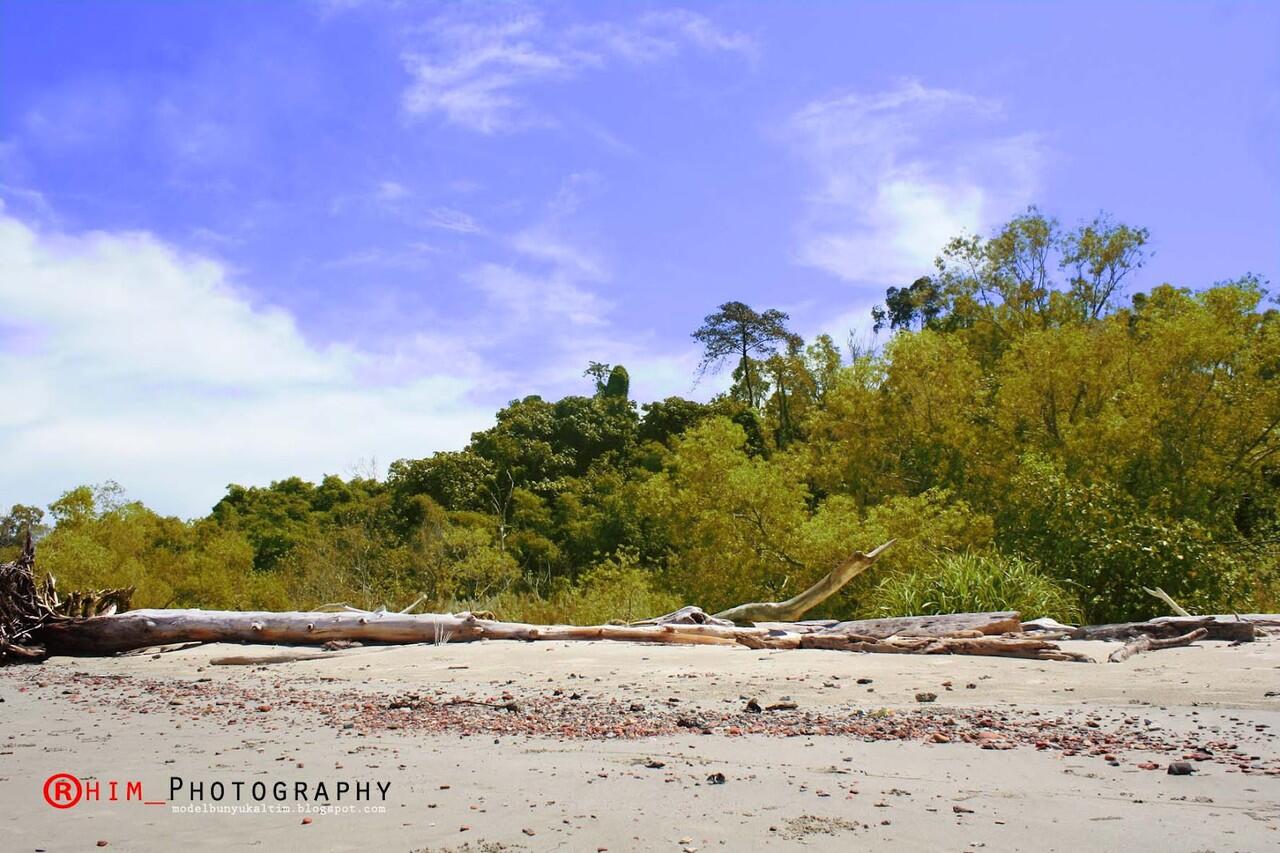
[(31, 613), (795, 607), (26, 604), (139, 628), (1167, 599), (1020, 646), (932, 626), (1148, 643), (1231, 629)]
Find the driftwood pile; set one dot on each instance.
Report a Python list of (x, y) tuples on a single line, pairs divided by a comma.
[(35, 622), (28, 605)]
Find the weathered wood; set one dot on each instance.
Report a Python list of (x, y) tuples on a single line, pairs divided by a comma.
[(141, 628), (688, 615), (27, 604), (149, 628), (795, 607), (1003, 622), (1035, 648), (1147, 643), (1227, 628)]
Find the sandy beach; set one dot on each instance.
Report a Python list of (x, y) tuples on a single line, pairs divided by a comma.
[(616, 746)]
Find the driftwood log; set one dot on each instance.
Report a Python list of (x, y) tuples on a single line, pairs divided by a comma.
[(1235, 629), (1148, 643), (34, 621), (143, 628)]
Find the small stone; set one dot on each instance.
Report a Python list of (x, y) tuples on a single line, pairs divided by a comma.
[(1180, 768), (716, 778), (306, 820), (102, 843), (961, 810), (264, 708), (926, 696), (753, 707)]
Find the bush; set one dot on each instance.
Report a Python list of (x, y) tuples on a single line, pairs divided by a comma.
[(615, 590), (974, 583), (1096, 538)]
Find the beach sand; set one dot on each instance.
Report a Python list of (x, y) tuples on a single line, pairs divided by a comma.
[(619, 746)]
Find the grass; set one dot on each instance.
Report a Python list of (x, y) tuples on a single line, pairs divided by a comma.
[(972, 583)]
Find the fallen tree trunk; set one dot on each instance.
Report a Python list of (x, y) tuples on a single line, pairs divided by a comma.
[(1148, 643), (1002, 646), (1003, 622), (142, 628), (34, 621), (1228, 628)]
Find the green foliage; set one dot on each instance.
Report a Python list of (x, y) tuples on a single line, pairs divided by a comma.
[(974, 583), (15, 524), (1020, 404), (1099, 539), (615, 590)]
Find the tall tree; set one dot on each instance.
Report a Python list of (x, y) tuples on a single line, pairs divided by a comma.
[(735, 329)]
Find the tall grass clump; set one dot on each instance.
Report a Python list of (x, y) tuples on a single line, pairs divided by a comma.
[(974, 583)]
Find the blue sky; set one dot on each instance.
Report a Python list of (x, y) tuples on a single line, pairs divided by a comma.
[(242, 240)]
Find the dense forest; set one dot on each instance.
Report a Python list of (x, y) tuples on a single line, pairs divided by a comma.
[(1036, 432)]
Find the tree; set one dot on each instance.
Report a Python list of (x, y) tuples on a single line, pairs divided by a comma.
[(20, 519), (598, 372), (735, 329), (1101, 255), (610, 380), (619, 385), (921, 303)]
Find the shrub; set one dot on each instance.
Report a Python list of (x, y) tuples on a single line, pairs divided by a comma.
[(1096, 537), (972, 583), (615, 590)]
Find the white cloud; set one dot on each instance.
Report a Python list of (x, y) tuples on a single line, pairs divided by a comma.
[(700, 31), (475, 74), (391, 191), (129, 360), (471, 85), (901, 172), (414, 256), (548, 293), (449, 219)]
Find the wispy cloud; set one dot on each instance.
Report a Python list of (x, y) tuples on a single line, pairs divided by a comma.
[(548, 290), (900, 172), (477, 74), (391, 191), (449, 219)]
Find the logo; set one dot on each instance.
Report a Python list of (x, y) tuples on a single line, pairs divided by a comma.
[(64, 790)]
